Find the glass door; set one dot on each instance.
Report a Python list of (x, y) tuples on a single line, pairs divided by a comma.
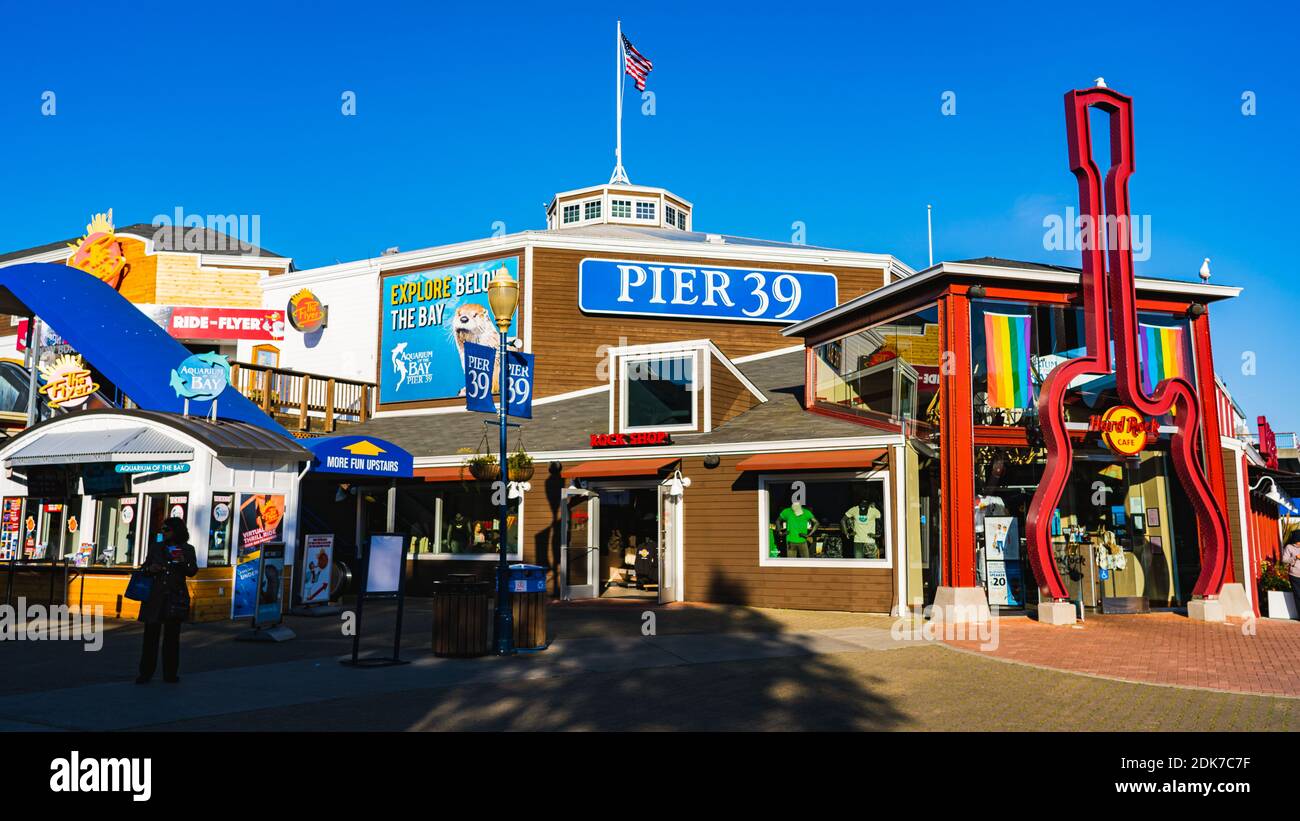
[(579, 575)]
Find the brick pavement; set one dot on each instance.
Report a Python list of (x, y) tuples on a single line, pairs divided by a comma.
[(1262, 657)]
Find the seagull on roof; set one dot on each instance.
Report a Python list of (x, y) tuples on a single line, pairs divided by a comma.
[(1205, 270), (1100, 82)]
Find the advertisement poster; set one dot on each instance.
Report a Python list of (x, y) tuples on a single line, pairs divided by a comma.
[(84, 552), (243, 600), (219, 526), (261, 520), (11, 514), (426, 319), (178, 506), (270, 585), (1001, 538), (317, 561)]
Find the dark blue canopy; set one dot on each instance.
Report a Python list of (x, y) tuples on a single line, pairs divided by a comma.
[(114, 336)]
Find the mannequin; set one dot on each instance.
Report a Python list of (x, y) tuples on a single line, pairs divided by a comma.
[(800, 524), (861, 528)]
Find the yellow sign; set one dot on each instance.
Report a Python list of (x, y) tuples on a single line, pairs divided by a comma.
[(1124, 430), (99, 253), (68, 383), (364, 448)]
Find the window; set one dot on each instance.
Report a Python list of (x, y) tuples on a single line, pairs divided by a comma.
[(670, 215), (571, 213), (591, 210), (829, 518), (620, 208), (645, 210), (455, 522), (681, 220), (659, 392), (115, 531), (888, 372)]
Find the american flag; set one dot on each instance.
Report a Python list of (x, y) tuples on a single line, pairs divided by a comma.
[(635, 64)]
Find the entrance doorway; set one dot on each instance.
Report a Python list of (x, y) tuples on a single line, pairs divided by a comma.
[(620, 541)]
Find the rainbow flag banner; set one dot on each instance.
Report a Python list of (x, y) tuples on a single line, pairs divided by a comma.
[(1162, 354), (1006, 344)]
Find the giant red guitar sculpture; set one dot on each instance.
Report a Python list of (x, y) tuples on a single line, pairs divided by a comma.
[(1114, 289)]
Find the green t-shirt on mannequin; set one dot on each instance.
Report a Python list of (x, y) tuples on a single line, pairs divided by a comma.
[(798, 526)]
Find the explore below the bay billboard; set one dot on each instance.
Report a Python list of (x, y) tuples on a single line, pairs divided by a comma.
[(427, 318)]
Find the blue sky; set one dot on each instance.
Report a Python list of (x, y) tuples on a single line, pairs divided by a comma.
[(829, 115)]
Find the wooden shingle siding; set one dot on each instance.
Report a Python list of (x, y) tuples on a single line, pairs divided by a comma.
[(730, 397), (721, 553)]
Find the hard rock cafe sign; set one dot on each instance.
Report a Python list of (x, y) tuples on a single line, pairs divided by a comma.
[(1125, 431), (68, 382), (99, 253)]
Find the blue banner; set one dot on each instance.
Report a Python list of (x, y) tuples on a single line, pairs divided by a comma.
[(243, 598), (480, 365), (360, 455), (427, 319), (608, 286), (519, 367)]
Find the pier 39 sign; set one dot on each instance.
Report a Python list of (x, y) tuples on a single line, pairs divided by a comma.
[(666, 289)]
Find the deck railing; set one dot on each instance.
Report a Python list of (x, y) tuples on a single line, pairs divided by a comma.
[(310, 400)]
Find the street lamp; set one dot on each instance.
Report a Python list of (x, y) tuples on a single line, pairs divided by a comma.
[(503, 297)]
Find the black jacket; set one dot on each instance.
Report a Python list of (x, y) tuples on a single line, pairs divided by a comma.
[(169, 584)]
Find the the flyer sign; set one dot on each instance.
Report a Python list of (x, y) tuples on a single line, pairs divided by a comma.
[(519, 370), (480, 367), (317, 564), (427, 319), (254, 324)]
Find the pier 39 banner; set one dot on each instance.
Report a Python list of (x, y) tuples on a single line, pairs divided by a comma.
[(427, 317), (684, 291)]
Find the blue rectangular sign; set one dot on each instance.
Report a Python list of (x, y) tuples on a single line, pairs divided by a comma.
[(480, 365), (607, 286), (427, 319), (519, 366)]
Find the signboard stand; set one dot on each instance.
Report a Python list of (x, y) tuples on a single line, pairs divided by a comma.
[(313, 545), (270, 570), (378, 582)]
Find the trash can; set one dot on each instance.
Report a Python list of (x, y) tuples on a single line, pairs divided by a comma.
[(528, 605), (461, 618)]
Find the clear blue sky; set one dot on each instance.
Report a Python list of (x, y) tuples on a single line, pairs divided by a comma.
[(829, 115)]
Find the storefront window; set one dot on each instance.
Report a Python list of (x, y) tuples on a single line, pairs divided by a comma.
[(888, 373), (454, 521), (659, 392), (115, 531), (1015, 346), (219, 526), (824, 519)]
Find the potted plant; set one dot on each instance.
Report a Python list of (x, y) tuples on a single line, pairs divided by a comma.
[(519, 466), (1275, 586), (483, 467)]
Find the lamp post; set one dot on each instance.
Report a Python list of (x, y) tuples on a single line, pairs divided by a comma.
[(503, 297)]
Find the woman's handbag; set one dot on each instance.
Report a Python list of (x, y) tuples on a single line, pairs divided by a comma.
[(139, 587)]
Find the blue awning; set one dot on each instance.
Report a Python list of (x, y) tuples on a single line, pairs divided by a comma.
[(360, 456), (115, 337)]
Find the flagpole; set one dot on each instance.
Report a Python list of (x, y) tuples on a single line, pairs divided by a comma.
[(619, 175)]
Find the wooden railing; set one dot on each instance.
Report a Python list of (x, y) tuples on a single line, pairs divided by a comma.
[(310, 399)]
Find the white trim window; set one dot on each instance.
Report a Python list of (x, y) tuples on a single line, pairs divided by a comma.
[(825, 520), (572, 213), (591, 210), (645, 210), (659, 391), (620, 209), (670, 216), (455, 522)]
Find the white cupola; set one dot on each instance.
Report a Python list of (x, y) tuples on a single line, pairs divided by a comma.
[(618, 204)]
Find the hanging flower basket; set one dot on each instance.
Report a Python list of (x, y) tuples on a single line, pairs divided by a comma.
[(484, 468), (520, 465)]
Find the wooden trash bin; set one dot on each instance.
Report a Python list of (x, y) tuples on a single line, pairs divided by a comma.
[(462, 622), (528, 605)]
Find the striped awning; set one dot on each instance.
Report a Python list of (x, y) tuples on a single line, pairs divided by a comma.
[(134, 444)]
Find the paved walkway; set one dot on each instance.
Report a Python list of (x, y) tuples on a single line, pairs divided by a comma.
[(1260, 657)]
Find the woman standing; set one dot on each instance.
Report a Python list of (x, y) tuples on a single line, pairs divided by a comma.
[(170, 560)]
